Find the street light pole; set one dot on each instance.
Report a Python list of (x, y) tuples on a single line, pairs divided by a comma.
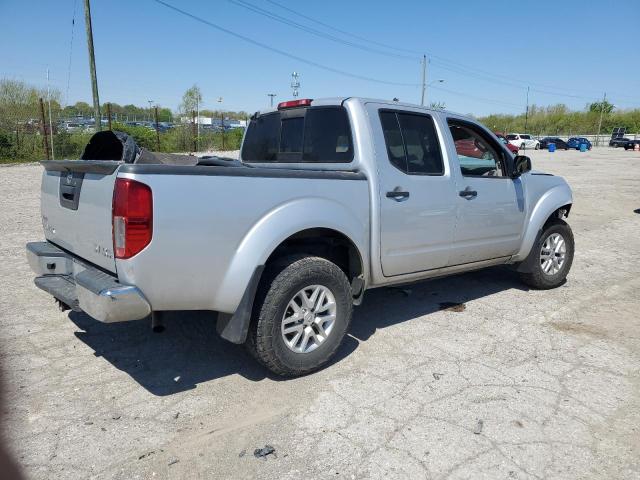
[(424, 78), (271, 95), (526, 113)]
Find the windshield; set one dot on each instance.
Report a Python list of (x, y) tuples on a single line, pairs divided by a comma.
[(512, 137)]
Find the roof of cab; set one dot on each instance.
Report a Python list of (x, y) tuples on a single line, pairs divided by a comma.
[(340, 100)]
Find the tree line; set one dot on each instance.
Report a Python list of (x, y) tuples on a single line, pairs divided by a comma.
[(21, 126), (560, 120), (21, 139)]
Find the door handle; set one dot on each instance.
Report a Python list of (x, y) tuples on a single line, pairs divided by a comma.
[(468, 193), (398, 194)]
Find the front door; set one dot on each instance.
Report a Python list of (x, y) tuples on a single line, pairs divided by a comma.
[(417, 195), (490, 204)]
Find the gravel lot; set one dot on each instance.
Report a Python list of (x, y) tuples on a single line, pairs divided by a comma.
[(520, 384)]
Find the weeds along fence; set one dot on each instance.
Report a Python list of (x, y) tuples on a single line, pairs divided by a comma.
[(22, 137), (25, 144)]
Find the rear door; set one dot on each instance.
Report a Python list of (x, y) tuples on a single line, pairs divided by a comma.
[(490, 204), (76, 202), (416, 193)]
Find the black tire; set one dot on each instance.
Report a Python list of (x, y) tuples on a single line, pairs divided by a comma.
[(535, 277), (280, 285)]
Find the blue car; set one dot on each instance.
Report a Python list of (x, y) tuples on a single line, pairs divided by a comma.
[(574, 142)]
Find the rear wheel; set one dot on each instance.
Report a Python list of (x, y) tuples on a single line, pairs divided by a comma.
[(301, 316), (551, 256)]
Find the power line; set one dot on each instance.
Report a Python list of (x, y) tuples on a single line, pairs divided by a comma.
[(480, 99), (278, 51), (313, 31), (322, 66), (466, 70), (343, 32)]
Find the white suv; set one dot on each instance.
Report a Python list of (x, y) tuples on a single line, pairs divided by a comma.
[(523, 141)]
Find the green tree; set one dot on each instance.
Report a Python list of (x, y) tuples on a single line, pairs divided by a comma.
[(602, 106), (191, 99)]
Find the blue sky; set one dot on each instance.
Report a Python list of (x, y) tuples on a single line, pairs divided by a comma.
[(487, 52)]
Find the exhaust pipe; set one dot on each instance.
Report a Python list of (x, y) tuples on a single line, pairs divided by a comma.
[(157, 322)]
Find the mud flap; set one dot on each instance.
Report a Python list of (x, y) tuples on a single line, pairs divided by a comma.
[(234, 327)]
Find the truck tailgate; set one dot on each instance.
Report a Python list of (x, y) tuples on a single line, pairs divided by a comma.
[(76, 202)]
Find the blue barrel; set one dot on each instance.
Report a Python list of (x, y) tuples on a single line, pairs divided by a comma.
[(552, 147), (583, 147)]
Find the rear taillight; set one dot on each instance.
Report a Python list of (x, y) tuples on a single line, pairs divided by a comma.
[(132, 217)]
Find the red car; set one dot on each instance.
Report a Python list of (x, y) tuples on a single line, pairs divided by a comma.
[(512, 148)]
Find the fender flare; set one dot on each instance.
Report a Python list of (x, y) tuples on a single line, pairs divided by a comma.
[(553, 199), (240, 282)]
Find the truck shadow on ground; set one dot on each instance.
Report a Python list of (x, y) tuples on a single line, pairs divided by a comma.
[(189, 351)]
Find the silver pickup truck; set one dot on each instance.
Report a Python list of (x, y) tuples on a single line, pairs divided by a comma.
[(330, 198)]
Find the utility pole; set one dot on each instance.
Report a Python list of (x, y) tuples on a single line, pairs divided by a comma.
[(424, 78), (43, 124), (150, 102), (157, 128), (271, 95), (109, 115), (92, 66), (604, 99)]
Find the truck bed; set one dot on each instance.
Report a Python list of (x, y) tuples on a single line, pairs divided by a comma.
[(203, 217)]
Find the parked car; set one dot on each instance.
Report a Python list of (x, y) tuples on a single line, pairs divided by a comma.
[(631, 144), (560, 144), (512, 148), (330, 198), (618, 142), (523, 141), (574, 142)]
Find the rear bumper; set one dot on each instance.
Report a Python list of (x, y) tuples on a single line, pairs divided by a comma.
[(83, 287)]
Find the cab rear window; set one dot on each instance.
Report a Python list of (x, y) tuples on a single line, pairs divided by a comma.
[(309, 135)]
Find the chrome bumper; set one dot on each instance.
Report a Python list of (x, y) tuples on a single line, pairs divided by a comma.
[(83, 287)]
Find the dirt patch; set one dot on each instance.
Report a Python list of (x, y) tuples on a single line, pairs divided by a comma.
[(452, 306), (579, 329)]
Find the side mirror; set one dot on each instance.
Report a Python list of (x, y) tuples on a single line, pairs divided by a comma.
[(521, 164)]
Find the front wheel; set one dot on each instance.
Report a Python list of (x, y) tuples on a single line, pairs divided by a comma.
[(301, 316), (551, 256)]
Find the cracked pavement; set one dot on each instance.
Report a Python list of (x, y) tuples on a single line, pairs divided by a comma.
[(518, 384)]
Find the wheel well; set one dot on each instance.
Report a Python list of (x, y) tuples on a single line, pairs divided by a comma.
[(326, 243), (562, 212)]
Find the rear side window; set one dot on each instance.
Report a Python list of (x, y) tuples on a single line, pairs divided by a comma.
[(412, 143), (327, 136), (311, 135), (262, 141)]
